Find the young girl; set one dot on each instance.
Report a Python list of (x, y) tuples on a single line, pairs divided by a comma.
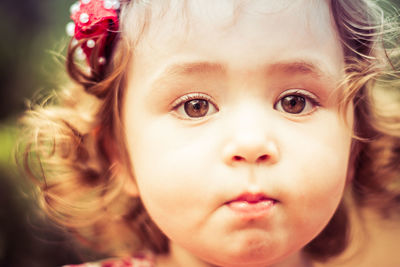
[(220, 133)]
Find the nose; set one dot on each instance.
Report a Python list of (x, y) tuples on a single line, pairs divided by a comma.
[(251, 147)]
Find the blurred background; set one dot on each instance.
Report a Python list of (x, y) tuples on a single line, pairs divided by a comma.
[(31, 60)]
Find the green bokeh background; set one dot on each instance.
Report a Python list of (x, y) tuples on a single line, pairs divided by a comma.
[(32, 48), (31, 59)]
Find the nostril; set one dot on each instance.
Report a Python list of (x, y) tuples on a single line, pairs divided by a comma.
[(238, 158), (257, 151), (262, 158)]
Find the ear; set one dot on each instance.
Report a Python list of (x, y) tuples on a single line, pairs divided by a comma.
[(350, 174), (121, 166), (130, 186), (124, 173), (353, 159)]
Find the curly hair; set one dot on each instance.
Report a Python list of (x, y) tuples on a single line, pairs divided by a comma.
[(75, 149)]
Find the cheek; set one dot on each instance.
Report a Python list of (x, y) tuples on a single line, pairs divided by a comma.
[(166, 162), (320, 150), (173, 182), (324, 169), (321, 162)]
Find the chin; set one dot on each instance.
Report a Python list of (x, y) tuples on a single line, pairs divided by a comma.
[(253, 258)]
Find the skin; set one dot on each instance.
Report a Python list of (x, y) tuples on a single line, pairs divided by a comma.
[(186, 169)]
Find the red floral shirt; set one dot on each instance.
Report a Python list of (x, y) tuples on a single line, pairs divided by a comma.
[(126, 262)]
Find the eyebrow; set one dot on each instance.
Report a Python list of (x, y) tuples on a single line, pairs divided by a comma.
[(193, 68), (291, 67), (182, 69), (297, 67), (175, 71)]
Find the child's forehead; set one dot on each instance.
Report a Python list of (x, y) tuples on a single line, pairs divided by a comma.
[(232, 10), (243, 27), (213, 15)]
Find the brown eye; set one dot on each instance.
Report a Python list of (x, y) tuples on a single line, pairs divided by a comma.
[(196, 108), (293, 104), (300, 102)]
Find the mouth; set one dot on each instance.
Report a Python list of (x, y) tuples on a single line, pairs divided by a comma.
[(251, 206)]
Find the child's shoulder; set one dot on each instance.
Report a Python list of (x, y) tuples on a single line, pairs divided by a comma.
[(137, 261)]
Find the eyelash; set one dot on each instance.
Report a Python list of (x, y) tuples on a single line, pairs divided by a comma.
[(310, 99), (301, 93), (192, 96)]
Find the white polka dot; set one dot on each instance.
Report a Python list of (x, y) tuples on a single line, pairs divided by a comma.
[(80, 54), (90, 43), (108, 4), (75, 8), (84, 18), (70, 29), (102, 60), (74, 42), (116, 4)]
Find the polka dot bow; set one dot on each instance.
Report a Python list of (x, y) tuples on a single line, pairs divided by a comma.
[(95, 21)]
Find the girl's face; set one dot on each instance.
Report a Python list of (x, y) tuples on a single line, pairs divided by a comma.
[(239, 153)]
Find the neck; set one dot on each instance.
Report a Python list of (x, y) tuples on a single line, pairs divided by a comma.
[(373, 240), (179, 257)]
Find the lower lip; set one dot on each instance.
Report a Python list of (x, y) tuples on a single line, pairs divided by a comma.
[(249, 210)]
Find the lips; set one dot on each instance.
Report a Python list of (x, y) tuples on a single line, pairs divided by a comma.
[(251, 206)]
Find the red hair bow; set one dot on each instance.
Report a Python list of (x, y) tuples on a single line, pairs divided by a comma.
[(95, 21)]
